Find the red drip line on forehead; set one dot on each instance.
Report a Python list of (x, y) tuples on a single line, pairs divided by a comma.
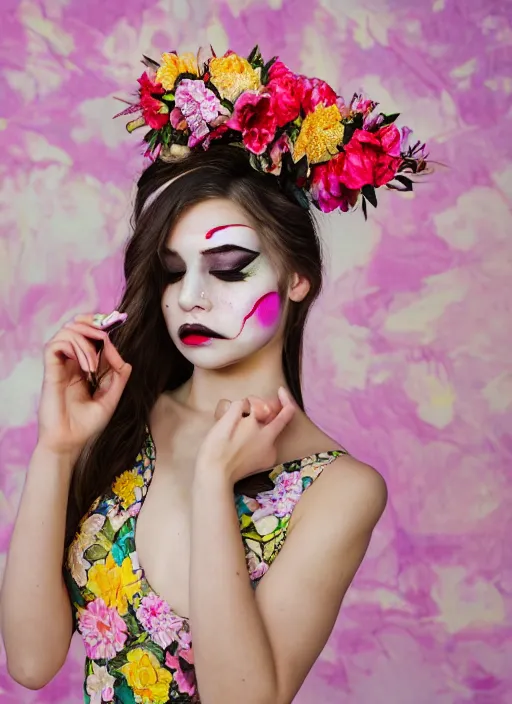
[(211, 232)]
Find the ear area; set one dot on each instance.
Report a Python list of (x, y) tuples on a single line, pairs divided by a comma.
[(298, 288)]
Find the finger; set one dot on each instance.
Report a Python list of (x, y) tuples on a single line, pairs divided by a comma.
[(58, 348), (246, 408), (88, 331), (113, 357), (232, 417), (275, 427), (114, 381), (264, 410), (86, 347), (222, 407), (111, 387)]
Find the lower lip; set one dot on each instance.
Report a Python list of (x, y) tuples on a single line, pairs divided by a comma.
[(196, 340)]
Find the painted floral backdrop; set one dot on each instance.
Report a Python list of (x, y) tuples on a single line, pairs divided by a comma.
[(408, 357)]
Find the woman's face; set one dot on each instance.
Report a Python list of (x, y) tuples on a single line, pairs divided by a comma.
[(222, 300)]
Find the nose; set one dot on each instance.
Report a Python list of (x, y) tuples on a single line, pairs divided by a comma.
[(193, 295)]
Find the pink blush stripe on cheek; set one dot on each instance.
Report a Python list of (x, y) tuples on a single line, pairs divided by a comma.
[(211, 232), (266, 309)]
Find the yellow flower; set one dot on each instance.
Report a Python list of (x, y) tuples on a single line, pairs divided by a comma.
[(174, 64), (149, 681), (232, 75), (320, 135), (125, 485), (115, 585)]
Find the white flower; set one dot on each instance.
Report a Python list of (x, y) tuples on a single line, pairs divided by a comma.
[(100, 685)]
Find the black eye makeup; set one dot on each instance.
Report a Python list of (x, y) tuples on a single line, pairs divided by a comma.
[(226, 263)]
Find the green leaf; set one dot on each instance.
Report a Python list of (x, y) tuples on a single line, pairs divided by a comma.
[(95, 552), (117, 662), (227, 104), (365, 212), (132, 624), (135, 124), (349, 129), (406, 182), (255, 58), (301, 168), (389, 119), (155, 649), (75, 595), (370, 195), (124, 694), (167, 96), (265, 70), (108, 531)]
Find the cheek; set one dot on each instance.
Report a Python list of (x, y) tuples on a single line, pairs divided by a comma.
[(267, 310)]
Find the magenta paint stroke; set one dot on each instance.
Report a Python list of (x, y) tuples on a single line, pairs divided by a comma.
[(266, 311)]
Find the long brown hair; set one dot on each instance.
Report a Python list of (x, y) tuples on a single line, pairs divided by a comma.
[(289, 235)]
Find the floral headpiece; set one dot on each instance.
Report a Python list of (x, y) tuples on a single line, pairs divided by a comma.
[(322, 150)]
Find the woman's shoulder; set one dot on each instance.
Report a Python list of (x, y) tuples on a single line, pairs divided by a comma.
[(347, 485)]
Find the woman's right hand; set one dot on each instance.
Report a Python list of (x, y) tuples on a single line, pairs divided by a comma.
[(68, 415)]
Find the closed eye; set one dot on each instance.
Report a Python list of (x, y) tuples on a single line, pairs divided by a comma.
[(173, 277), (230, 275)]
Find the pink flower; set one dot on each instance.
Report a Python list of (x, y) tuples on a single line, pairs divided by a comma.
[(257, 568), (279, 147), (314, 91), (405, 141), (157, 619), (185, 679), (361, 104), (371, 158), (199, 106), (280, 501), (255, 119), (327, 189), (154, 111), (285, 87), (103, 630)]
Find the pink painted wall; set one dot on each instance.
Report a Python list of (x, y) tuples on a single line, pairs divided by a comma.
[(408, 361)]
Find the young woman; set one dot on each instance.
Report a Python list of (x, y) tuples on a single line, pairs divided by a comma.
[(208, 529)]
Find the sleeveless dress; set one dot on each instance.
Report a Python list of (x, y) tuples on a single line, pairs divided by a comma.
[(138, 650)]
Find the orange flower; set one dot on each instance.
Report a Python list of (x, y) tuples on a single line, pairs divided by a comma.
[(232, 75), (320, 135), (173, 65)]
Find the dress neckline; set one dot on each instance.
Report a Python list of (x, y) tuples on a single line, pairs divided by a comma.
[(149, 450)]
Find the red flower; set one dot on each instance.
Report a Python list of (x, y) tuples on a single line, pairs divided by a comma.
[(371, 158), (314, 91), (327, 189), (151, 107), (217, 133), (255, 119), (285, 87)]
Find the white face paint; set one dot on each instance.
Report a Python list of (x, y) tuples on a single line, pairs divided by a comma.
[(222, 302)]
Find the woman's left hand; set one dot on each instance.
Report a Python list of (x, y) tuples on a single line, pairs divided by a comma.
[(242, 441)]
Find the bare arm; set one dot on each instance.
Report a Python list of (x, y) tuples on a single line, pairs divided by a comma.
[(259, 647), (35, 609)]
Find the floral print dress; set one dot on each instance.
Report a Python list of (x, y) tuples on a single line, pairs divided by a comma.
[(138, 650)]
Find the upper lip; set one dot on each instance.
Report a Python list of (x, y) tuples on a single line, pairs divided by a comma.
[(195, 329)]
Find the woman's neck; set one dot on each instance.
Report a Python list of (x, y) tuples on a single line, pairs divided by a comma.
[(259, 375)]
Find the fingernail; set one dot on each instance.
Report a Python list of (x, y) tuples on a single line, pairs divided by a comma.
[(103, 321)]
